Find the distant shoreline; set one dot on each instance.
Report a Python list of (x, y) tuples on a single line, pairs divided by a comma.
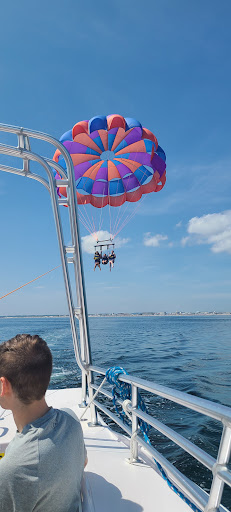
[(126, 315)]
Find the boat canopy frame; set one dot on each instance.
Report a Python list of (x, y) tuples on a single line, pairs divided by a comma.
[(69, 254)]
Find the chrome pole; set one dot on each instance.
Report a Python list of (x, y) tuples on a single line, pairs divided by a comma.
[(221, 464), (133, 442)]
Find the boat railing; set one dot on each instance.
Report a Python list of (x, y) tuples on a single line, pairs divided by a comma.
[(218, 467)]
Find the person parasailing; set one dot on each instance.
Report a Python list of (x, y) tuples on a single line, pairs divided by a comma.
[(111, 259), (104, 259), (97, 258)]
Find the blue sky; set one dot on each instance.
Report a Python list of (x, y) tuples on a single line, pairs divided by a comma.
[(166, 64)]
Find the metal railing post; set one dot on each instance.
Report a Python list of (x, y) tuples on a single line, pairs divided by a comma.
[(84, 390), (93, 411), (222, 462), (133, 441)]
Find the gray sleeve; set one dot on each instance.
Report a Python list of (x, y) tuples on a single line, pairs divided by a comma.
[(18, 493)]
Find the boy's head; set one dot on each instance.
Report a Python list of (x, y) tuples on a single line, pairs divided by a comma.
[(26, 362)]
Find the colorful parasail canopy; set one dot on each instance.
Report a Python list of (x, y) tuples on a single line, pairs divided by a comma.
[(115, 160)]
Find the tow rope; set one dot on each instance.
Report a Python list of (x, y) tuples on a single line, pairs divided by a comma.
[(19, 288)]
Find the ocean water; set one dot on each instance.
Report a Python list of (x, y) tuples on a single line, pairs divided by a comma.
[(191, 354)]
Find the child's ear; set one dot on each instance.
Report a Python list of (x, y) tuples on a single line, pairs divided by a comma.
[(5, 386)]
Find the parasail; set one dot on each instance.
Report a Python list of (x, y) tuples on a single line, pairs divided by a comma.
[(116, 160)]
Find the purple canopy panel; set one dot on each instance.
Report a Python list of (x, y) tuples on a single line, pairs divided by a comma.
[(80, 169), (113, 131), (130, 182), (158, 164), (94, 134), (143, 158), (134, 136), (122, 168), (100, 187), (102, 174), (75, 147)]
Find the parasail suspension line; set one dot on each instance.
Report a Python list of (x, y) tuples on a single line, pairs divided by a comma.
[(84, 222), (117, 216), (130, 216)]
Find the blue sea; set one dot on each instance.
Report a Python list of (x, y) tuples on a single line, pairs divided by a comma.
[(191, 354)]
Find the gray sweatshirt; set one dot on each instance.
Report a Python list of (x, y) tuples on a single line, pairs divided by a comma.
[(43, 466)]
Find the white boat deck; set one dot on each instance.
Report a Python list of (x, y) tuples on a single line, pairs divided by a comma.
[(110, 482)]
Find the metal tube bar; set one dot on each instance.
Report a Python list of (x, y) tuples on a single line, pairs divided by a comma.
[(225, 475), (78, 268), (222, 461), (187, 445), (181, 441), (57, 167), (65, 272), (216, 411), (176, 476), (92, 406), (12, 170), (206, 407), (97, 369), (84, 390), (134, 444), (80, 289), (113, 417)]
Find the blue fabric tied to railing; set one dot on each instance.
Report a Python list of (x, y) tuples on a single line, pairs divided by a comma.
[(122, 390)]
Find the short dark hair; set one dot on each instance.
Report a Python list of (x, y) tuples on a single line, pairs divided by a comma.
[(26, 362)]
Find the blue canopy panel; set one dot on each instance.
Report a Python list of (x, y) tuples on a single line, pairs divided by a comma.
[(62, 162), (149, 145), (132, 123), (85, 184), (142, 174), (97, 123), (115, 187), (96, 138), (111, 138), (66, 136), (161, 153)]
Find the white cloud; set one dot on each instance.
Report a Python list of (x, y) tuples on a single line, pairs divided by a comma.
[(179, 224), (89, 241), (153, 240), (213, 229), (185, 240)]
